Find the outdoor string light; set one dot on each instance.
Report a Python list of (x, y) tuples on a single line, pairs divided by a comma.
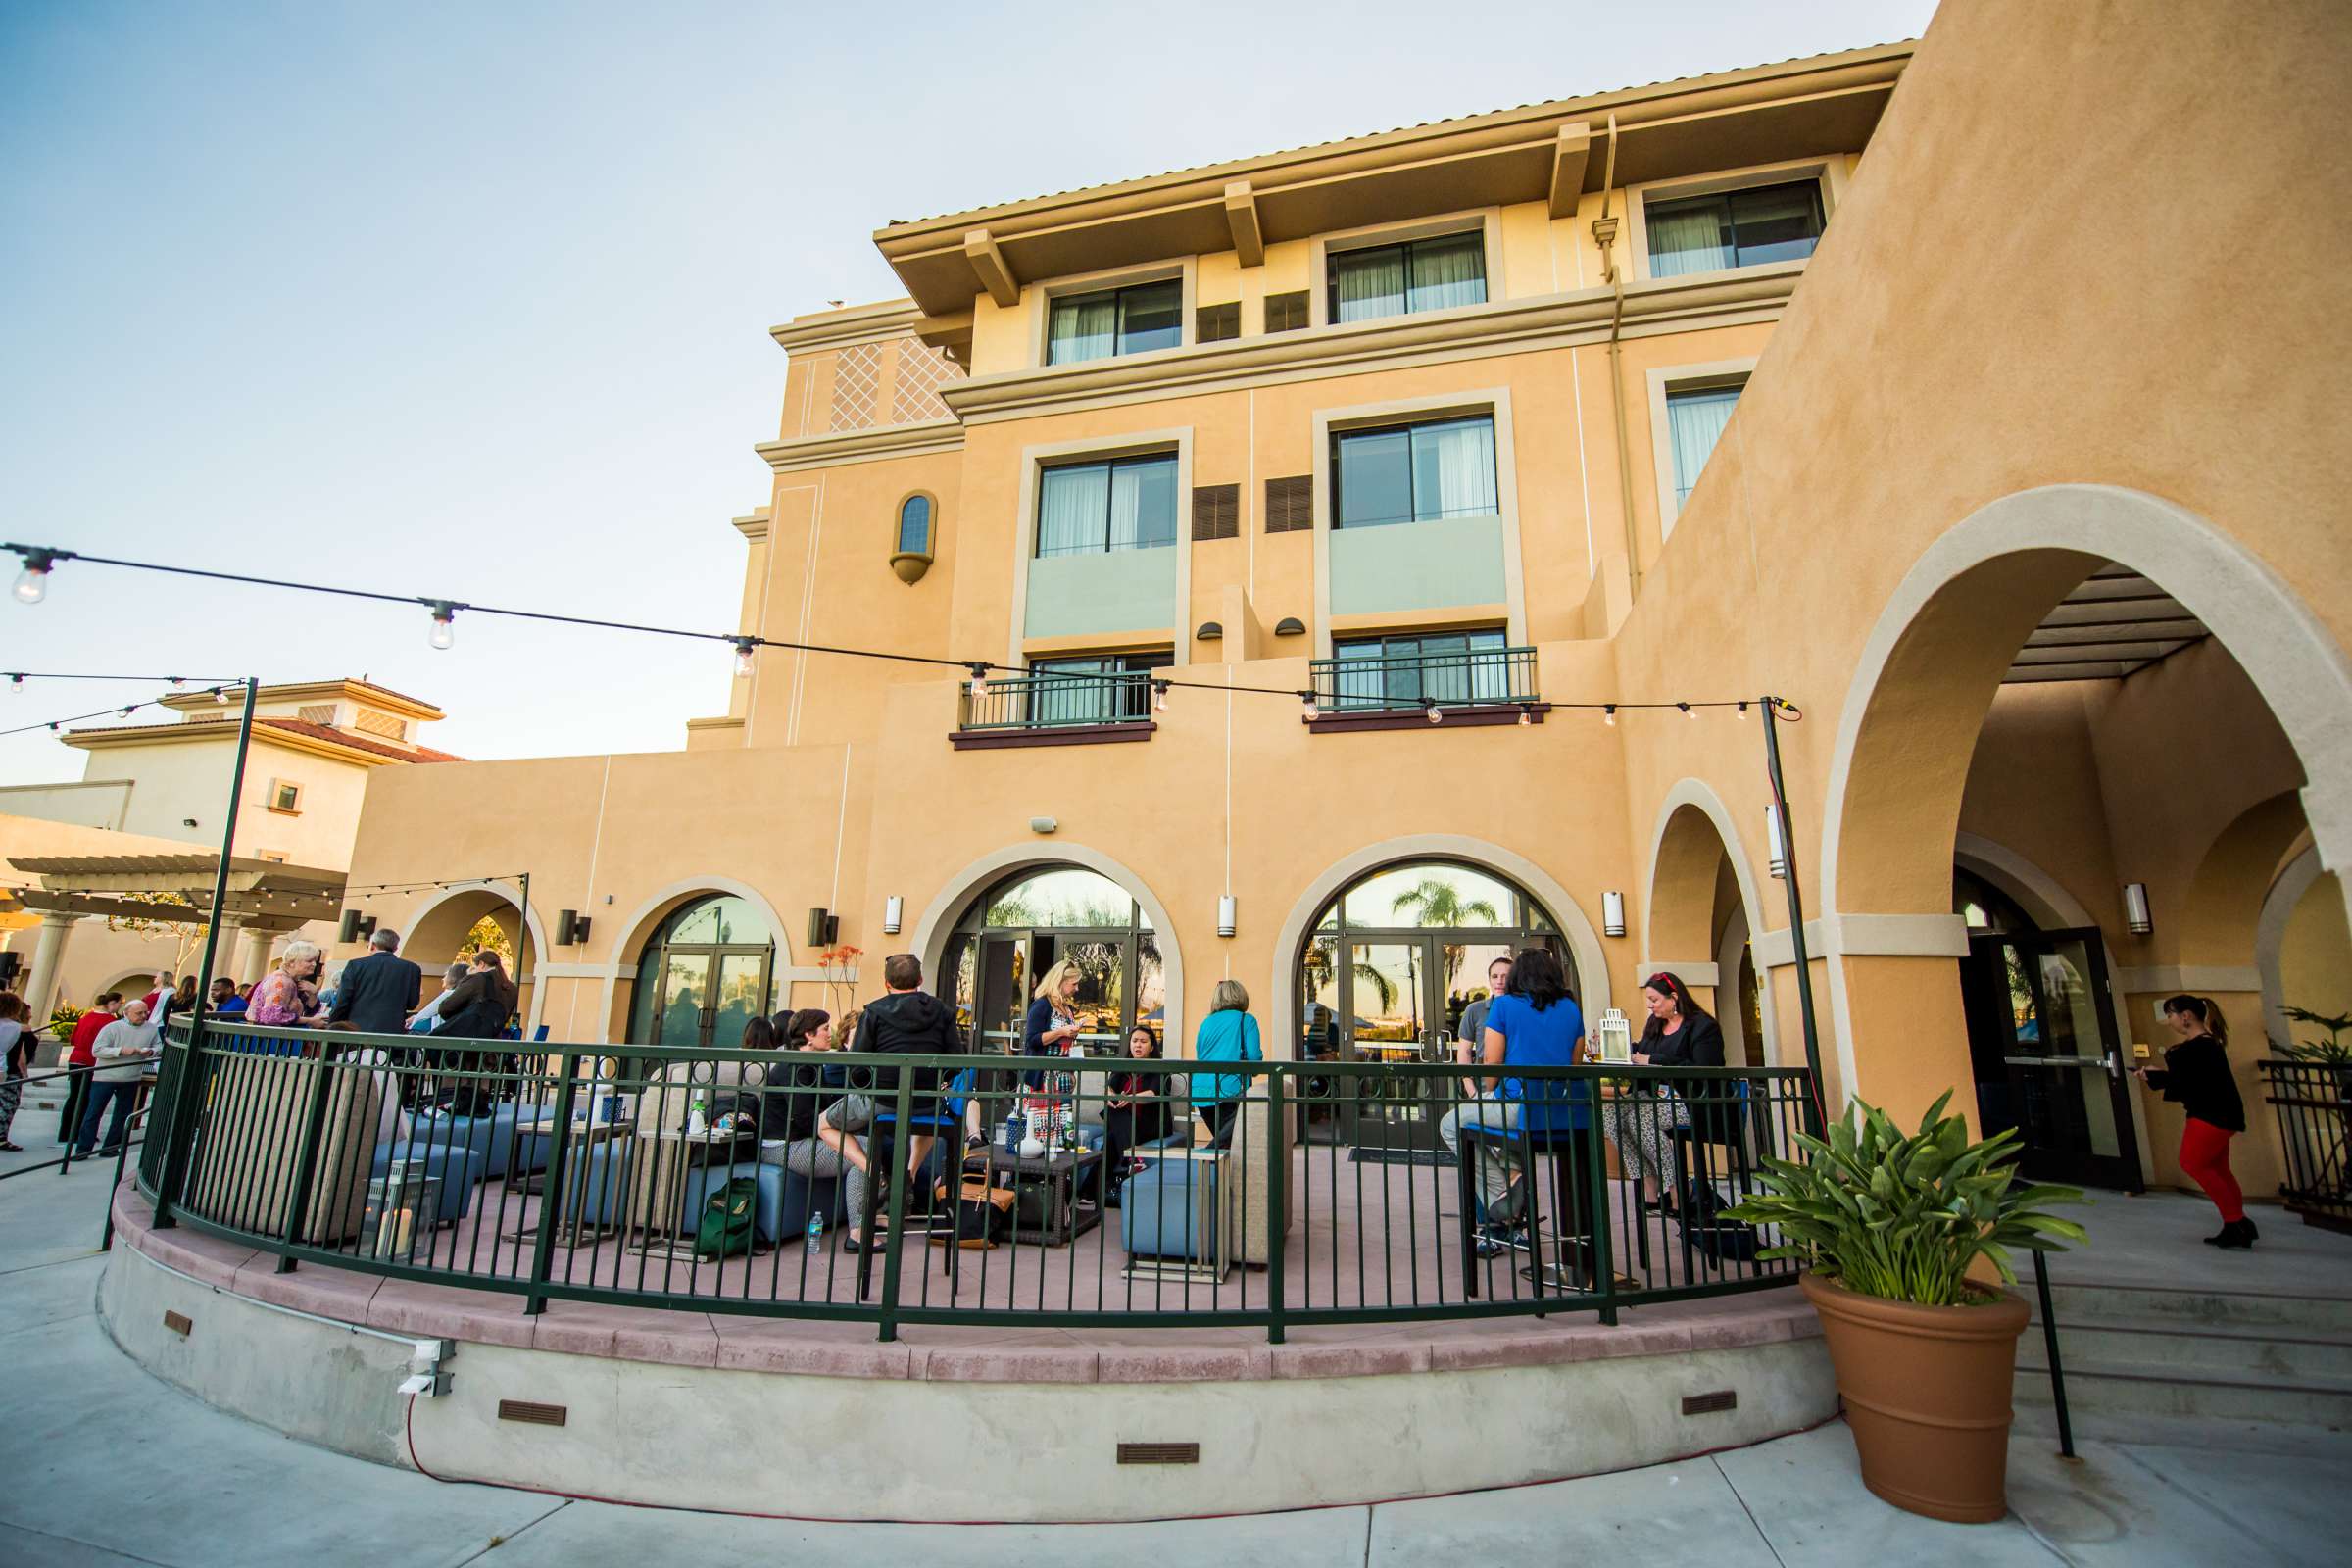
[(32, 583), (746, 650), (445, 630)]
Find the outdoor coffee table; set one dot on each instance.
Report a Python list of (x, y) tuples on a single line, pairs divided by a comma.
[(1053, 1201), (658, 1177), (571, 1230)]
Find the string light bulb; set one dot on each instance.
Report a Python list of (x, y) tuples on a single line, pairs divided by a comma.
[(221, 695), (1527, 715), (1160, 696), (444, 634), (745, 661), (1608, 714), (32, 583), (1687, 710), (1437, 715), (1743, 709), (979, 685), (16, 684)]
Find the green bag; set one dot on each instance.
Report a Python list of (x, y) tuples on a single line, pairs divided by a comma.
[(726, 1229)]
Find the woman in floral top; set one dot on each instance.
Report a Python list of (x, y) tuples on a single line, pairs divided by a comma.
[(289, 995)]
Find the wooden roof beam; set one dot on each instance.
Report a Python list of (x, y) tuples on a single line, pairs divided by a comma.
[(1571, 150), (1241, 215), (990, 267)]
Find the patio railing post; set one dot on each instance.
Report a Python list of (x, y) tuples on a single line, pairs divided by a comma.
[(1597, 1210), (179, 1123), (306, 1153), (903, 1108), (1278, 1191), (551, 1190)]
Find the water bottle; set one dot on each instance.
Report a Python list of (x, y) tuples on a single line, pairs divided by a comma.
[(817, 1230), (698, 1121), (1013, 1134)]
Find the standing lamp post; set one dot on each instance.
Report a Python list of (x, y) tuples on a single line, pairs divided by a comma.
[(1796, 911), (187, 1091)]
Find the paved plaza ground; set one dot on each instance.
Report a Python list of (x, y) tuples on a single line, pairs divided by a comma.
[(106, 1465)]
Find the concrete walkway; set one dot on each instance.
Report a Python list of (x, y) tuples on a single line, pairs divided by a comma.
[(105, 1465)]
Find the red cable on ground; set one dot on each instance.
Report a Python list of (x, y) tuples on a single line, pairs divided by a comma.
[(1181, 1518)]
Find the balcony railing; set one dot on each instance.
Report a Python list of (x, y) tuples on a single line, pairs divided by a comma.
[(1057, 702), (1481, 677)]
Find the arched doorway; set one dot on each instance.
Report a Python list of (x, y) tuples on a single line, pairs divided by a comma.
[(704, 973), (437, 931), (1385, 974), (1023, 924), (1698, 922)]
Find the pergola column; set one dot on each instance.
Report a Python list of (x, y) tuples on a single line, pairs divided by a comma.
[(253, 956), (221, 941), (48, 962)]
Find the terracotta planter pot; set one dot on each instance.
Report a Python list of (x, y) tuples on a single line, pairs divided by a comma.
[(1927, 1394)]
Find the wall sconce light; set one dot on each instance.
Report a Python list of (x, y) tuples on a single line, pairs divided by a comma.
[(824, 928), (1225, 911), (1043, 824), (1612, 913), (2136, 908), (349, 931), (894, 909), (1775, 846), (571, 928)]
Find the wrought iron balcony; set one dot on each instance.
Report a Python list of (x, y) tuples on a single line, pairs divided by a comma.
[(1481, 678), (1046, 709)]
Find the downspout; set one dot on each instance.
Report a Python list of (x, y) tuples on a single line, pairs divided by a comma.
[(1605, 235)]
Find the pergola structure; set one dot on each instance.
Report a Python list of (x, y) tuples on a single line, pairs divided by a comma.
[(266, 899)]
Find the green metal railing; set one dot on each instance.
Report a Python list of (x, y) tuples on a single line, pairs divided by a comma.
[(441, 1160), (1056, 701), (1473, 678)]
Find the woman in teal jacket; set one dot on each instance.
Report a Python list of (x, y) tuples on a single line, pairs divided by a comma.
[(1227, 1034)]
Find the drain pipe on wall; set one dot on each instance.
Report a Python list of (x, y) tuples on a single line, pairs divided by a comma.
[(1605, 235)]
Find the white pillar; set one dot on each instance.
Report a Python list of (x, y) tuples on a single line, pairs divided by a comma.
[(48, 962), (253, 956), (221, 940)]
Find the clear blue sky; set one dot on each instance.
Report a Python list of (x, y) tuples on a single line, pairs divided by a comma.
[(470, 300)]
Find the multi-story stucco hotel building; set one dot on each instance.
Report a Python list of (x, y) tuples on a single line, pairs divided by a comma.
[(1993, 427)]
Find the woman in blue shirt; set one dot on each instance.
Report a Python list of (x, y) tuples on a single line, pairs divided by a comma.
[(1534, 1023), (1227, 1034)]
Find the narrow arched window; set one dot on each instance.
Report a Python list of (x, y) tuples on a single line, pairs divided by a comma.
[(914, 525)]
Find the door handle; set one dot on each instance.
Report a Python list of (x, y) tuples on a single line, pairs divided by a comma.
[(2115, 1064), (2061, 1061)]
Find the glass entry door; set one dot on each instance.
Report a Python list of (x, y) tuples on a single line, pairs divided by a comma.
[(708, 995), (2048, 1059), (1384, 1017)]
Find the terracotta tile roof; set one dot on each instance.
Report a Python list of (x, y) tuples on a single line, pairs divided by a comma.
[(1341, 141), (293, 726), (358, 743)]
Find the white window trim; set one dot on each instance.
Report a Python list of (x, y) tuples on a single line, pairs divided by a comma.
[(1484, 222), (1829, 172), (1034, 462), (1494, 402), (1714, 374), (1184, 269)]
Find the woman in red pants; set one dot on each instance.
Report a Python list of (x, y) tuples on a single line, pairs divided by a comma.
[(2196, 1076)]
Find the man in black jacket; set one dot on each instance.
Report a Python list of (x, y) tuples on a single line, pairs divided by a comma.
[(908, 1020), (378, 992)]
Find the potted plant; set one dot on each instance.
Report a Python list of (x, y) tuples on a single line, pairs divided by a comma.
[(1889, 1229)]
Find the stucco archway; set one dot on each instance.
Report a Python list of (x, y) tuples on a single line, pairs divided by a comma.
[(436, 927), (621, 968), (1693, 836), (1576, 927), (939, 916), (2036, 892), (1928, 672)]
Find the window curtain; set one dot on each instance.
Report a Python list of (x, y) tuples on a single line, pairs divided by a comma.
[(1074, 697), (1693, 422), (1453, 470), (1370, 283), (1142, 506), (1070, 507), (1083, 329), (1689, 239), (1449, 273)]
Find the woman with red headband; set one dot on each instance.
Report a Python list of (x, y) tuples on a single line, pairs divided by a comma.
[(1679, 1034)]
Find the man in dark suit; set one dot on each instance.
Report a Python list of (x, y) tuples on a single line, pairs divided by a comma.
[(378, 992)]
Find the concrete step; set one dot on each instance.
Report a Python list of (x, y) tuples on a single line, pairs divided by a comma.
[(2320, 1316), (2255, 1354), (2112, 1389), (2037, 1429)]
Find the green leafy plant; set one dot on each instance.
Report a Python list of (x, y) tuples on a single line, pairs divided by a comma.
[(2330, 1051), (63, 1018), (1903, 1217)]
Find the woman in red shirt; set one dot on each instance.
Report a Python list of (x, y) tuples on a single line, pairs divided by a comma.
[(102, 1012)]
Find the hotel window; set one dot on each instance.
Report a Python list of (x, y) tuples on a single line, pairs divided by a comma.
[(284, 797), (1126, 504), (1453, 667), (1745, 227), (1422, 274), (1695, 420), (1115, 320), (1414, 473)]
